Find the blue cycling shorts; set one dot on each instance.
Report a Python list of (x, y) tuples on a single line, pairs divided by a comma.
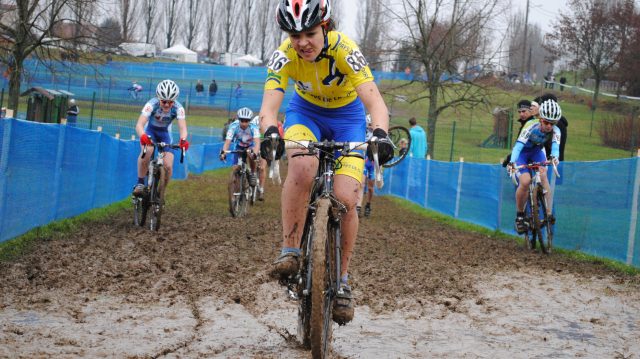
[(235, 156), (529, 155), (368, 169), (160, 134), (306, 121)]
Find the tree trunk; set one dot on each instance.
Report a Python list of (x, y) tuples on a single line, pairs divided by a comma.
[(432, 119), (14, 85)]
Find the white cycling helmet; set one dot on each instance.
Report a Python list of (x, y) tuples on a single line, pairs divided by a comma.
[(167, 90), (256, 121), (245, 113), (550, 111)]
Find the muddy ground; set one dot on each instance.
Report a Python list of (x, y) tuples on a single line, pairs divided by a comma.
[(199, 288)]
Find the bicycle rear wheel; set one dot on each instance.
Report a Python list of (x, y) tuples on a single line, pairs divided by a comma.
[(544, 237), (396, 134), (157, 199), (236, 194), (321, 282)]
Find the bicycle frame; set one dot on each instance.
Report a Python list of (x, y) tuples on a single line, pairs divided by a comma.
[(536, 203)]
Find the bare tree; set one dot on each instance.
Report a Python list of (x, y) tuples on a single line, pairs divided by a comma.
[(592, 35), (194, 15), (229, 24), (248, 6), (149, 12), (370, 29), (211, 23), (171, 21), (443, 39), (33, 27), (127, 10)]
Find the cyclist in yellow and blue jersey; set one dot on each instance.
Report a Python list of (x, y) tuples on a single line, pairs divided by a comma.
[(530, 148), (333, 85)]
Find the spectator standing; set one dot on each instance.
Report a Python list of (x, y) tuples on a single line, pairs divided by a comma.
[(213, 89), (563, 80), (72, 113), (419, 146), (199, 88)]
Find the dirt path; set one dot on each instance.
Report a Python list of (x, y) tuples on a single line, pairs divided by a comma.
[(199, 289)]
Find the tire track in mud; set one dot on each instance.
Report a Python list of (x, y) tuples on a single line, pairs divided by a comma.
[(204, 272)]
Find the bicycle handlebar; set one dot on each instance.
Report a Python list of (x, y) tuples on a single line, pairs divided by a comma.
[(535, 166), (162, 146), (345, 146)]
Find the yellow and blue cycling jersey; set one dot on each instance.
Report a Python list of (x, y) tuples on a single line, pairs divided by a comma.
[(325, 104), (330, 81)]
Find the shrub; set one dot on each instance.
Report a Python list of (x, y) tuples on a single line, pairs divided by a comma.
[(620, 132)]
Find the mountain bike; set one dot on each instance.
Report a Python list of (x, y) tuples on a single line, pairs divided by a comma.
[(154, 191), (397, 134), (241, 193), (317, 282), (539, 222)]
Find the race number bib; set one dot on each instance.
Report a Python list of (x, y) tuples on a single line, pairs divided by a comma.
[(277, 61), (356, 61)]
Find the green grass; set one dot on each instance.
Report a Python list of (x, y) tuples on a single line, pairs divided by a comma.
[(15, 247), (494, 234), (474, 126)]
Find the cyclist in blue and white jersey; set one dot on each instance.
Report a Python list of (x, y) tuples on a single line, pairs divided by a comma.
[(243, 135), (154, 126), (530, 148)]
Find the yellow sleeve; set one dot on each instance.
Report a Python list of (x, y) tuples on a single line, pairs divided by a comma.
[(277, 69)]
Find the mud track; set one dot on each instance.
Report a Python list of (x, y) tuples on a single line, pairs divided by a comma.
[(199, 288)]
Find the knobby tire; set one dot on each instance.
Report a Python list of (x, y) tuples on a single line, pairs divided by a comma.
[(157, 199), (545, 241), (321, 301), (304, 301), (396, 133), (140, 207), (535, 216)]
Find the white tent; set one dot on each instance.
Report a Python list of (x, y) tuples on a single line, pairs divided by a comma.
[(180, 53), (249, 59)]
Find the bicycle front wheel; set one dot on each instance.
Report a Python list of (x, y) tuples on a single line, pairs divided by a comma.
[(535, 217), (397, 134), (321, 281), (140, 207), (546, 239), (157, 199), (236, 194)]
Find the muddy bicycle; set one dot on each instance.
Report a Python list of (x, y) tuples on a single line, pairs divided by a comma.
[(152, 197), (317, 283), (242, 192), (539, 223)]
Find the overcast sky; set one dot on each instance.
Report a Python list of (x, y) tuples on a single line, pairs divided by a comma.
[(542, 12)]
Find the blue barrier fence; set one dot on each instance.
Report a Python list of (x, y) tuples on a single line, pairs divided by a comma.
[(50, 172), (595, 203)]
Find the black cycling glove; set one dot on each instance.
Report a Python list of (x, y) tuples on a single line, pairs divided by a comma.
[(385, 147), (266, 146)]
